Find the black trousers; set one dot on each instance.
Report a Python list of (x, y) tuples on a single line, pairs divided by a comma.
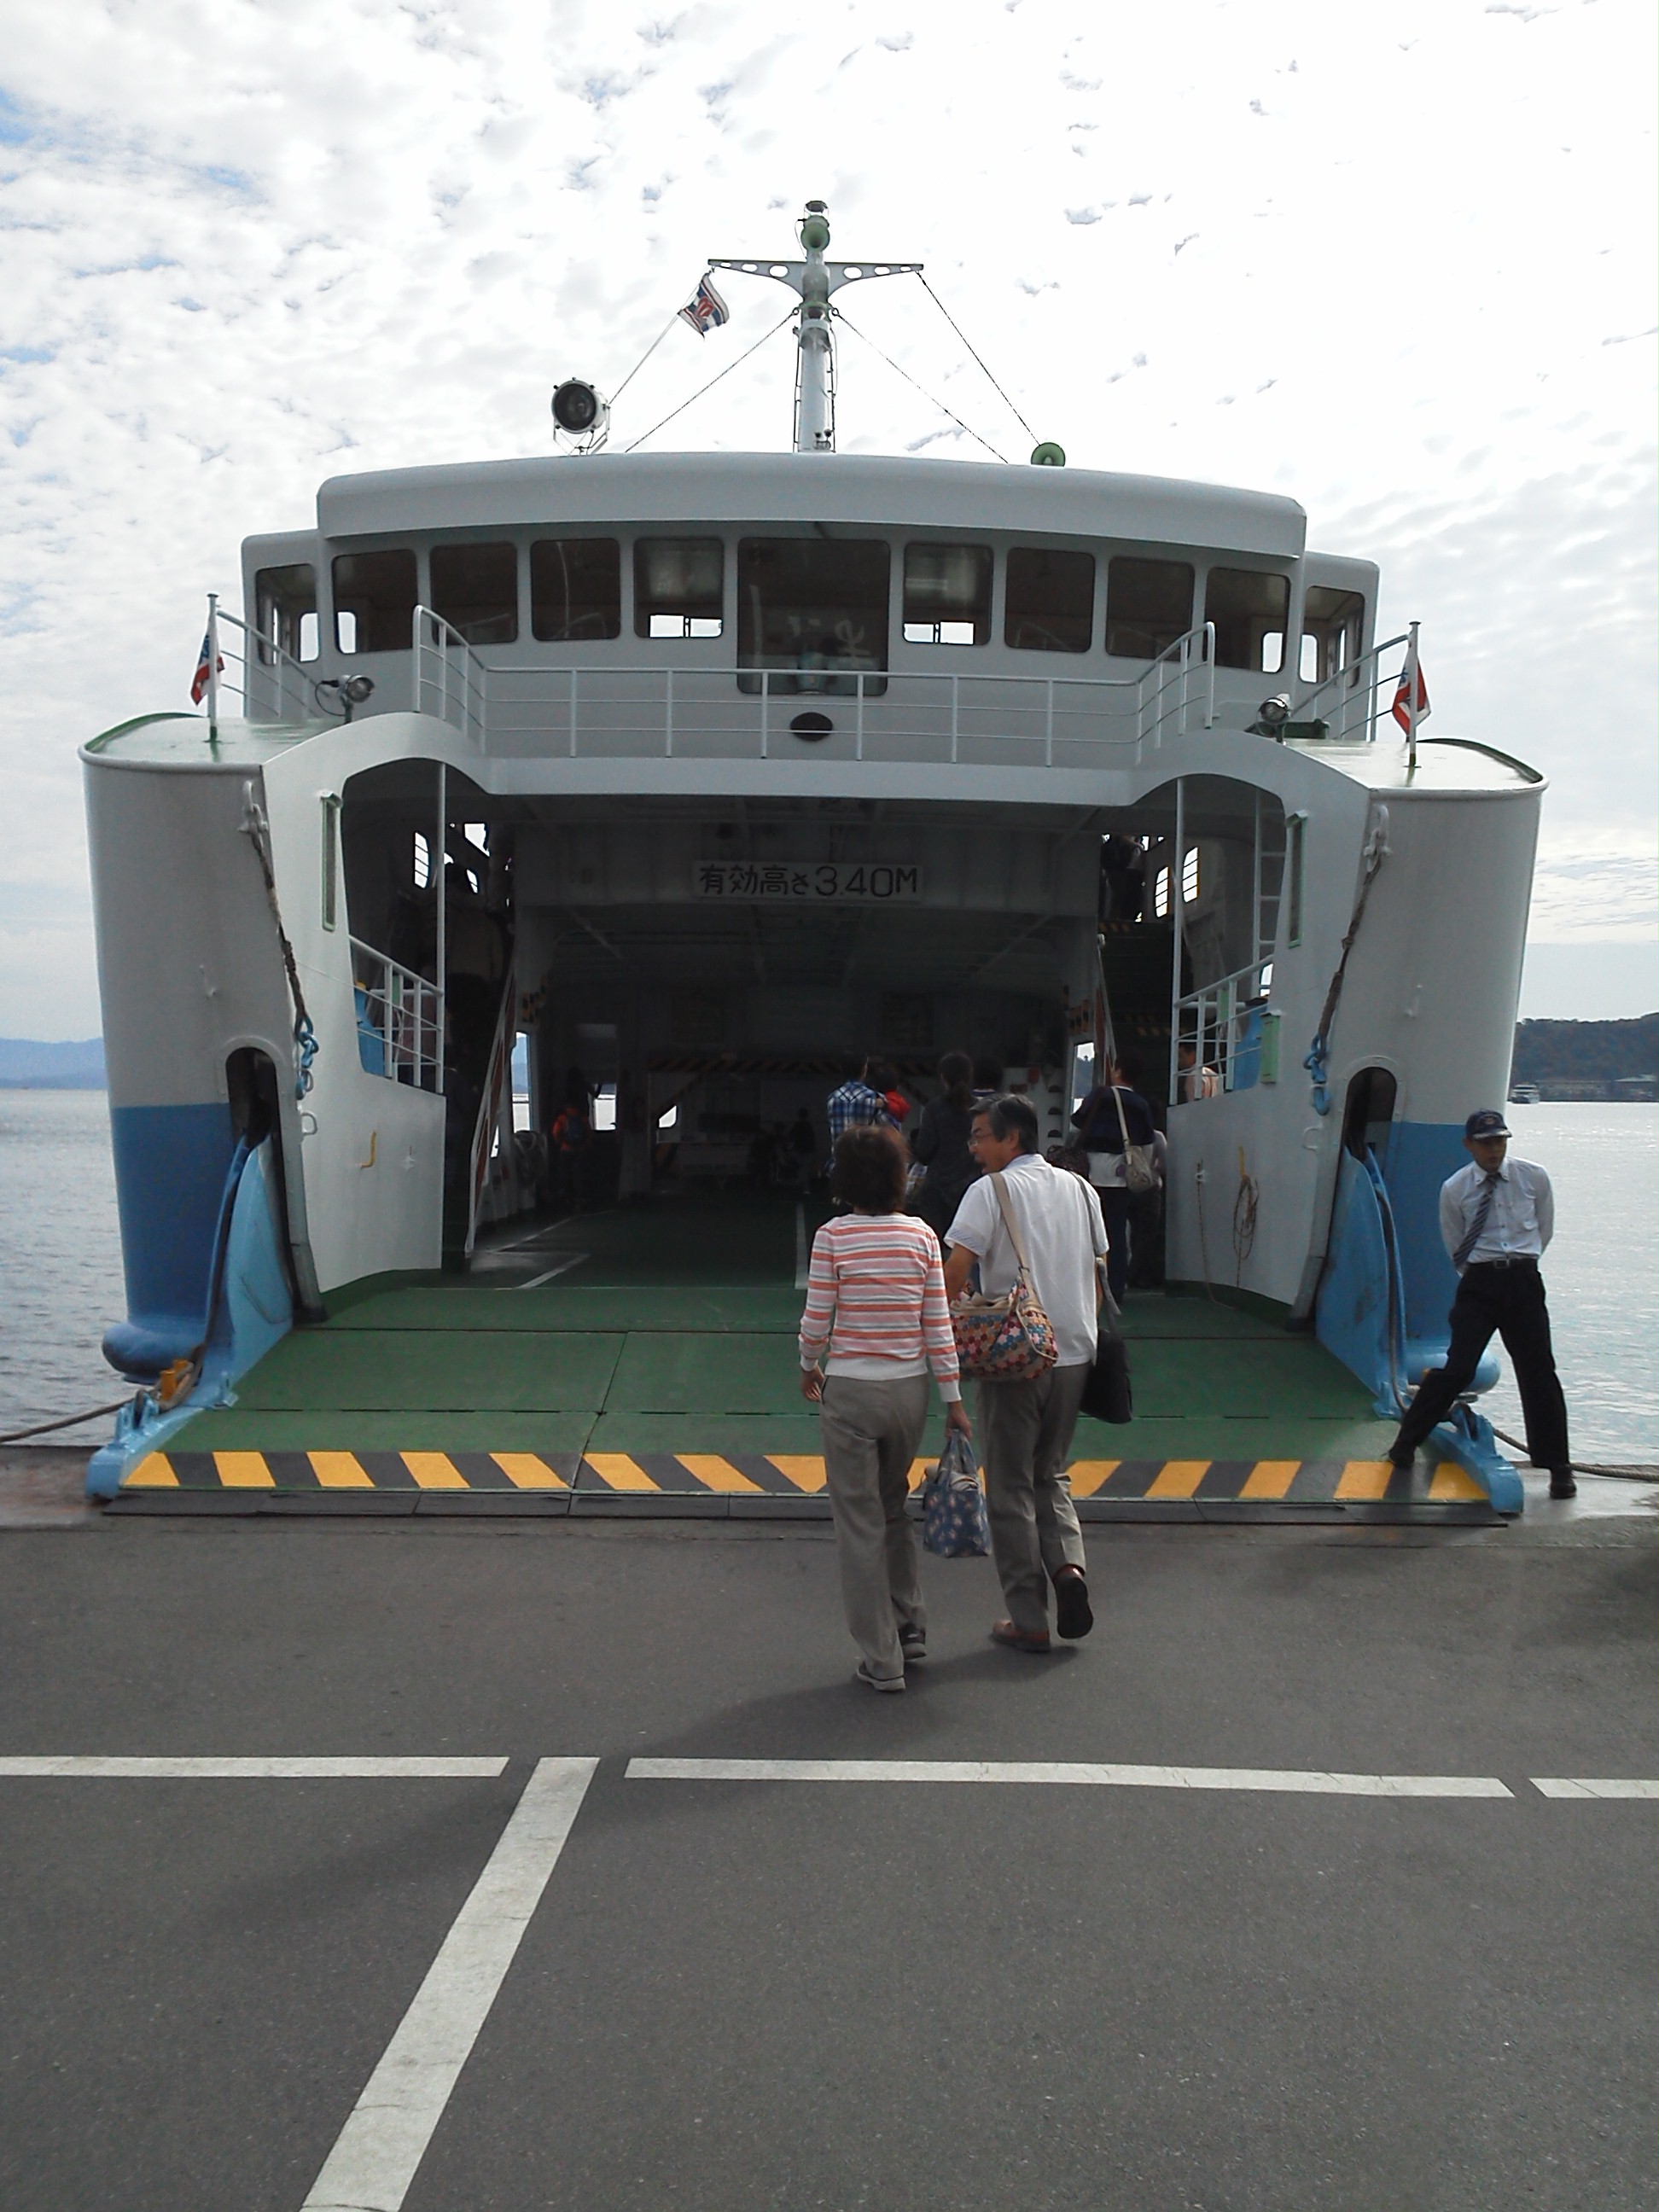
[(1506, 1302), (1114, 1211)]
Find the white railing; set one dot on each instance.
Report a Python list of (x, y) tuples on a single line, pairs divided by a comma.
[(963, 718), (271, 684), (450, 681), (1182, 677), (1212, 1020), (400, 1019), (1349, 703)]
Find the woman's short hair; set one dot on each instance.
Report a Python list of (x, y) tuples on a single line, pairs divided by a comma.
[(868, 1171), (1011, 1116)]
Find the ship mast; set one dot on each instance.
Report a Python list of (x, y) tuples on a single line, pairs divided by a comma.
[(813, 281)]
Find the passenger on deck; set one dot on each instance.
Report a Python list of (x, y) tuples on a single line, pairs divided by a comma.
[(1194, 1082), (875, 1303), (894, 1106), (1026, 1427), (853, 1105), (1111, 1118), (939, 1144), (802, 1148)]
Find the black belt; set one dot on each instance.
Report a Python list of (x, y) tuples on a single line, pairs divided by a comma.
[(1516, 1259)]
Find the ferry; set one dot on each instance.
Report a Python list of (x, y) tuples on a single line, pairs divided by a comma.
[(695, 772)]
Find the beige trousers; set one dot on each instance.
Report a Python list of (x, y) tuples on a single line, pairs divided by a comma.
[(871, 1432), (1025, 1431)]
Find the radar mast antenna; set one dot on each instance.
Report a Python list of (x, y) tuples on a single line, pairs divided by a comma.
[(813, 281)]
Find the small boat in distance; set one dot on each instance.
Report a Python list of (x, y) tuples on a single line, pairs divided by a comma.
[(695, 772), (1525, 1093)]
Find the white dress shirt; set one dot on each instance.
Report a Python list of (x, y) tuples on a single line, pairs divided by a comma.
[(1523, 1216)]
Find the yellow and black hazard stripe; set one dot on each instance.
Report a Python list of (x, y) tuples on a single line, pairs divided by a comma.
[(1169, 1484)]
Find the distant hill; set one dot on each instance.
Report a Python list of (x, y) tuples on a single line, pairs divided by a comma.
[(26, 1065), (1585, 1052)]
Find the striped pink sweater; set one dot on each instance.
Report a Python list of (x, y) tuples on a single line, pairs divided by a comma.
[(875, 1296)]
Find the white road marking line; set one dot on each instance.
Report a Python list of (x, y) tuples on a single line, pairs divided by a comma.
[(800, 1246), (535, 1284), (1559, 1787), (383, 2143), (250, 1770), (1046, 1770)]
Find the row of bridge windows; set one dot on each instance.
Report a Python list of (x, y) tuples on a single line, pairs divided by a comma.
[(813, 602)]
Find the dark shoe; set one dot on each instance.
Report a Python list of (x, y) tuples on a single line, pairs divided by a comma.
[(1072, 1617), (913, 1644), (1562, 1483), (1402, 1462), (1016, 1639)]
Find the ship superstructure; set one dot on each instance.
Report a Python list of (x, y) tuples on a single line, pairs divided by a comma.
[(698, 771)]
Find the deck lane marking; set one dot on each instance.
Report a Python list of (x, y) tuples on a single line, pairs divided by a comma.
[(154, 1472), (617, 1472), (794, 1467), (1453, 1486), (96, 1765), (1270, 1478), (338, 1470), (1560, 1787), (1286, 1781), (1179, 1478), (433, 1470), (563, 1267), (800, 1246), (243, 1470), (1090, 1475), (526, 1472), (1363, 1480), (715, 1472), (384, 2141)]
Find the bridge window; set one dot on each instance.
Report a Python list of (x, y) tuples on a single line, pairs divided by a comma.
[(947, 594), (1051, 600), (679, 586), (476, 589), (816, 607), (576, 589), (1250, 608), (286, 600), (375, 601), (1149, 607), (1333, 624)]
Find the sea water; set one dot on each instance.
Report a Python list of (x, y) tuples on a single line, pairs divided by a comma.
[(60, 1266)]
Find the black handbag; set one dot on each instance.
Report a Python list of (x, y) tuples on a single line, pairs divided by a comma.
[(1108, 1395)]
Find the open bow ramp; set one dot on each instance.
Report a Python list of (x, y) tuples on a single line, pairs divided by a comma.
[(643, 1361)]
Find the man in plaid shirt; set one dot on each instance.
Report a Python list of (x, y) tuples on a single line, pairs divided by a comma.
[(855, 1105)]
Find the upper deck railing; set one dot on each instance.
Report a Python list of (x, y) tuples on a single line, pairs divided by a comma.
[(1347, 705), (509, 709)]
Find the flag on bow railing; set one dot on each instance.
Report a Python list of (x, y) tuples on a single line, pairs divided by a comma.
[(1411, 701), (205, 669), (705, 310)]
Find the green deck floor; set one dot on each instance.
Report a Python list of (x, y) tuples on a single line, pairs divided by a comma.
[(670, 1328)]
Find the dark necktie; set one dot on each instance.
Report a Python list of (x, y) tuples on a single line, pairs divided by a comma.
[(1482, 1215)]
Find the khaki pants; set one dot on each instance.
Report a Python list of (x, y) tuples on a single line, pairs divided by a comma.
[(871, 1431), (1025, 1431)]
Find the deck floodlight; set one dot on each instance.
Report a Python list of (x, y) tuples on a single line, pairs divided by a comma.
[(348, 691), (1276, 711), (582, 415)]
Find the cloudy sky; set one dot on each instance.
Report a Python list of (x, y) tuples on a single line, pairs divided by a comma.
[(1394, 259)]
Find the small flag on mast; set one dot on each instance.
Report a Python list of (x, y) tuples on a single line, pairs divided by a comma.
[(205, 670), (705, 310), (1405, 711)]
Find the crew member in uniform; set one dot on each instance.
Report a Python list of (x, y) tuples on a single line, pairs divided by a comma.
[(1497, 1215)]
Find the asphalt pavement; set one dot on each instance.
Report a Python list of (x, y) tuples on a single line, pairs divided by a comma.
[(1275, 1916)]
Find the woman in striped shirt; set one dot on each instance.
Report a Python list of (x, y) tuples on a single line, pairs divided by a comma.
[(875, 1302)]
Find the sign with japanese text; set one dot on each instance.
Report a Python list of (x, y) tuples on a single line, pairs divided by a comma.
[(809, 882)]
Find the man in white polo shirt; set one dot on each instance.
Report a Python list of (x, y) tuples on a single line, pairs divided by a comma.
[(1026, 1428)]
